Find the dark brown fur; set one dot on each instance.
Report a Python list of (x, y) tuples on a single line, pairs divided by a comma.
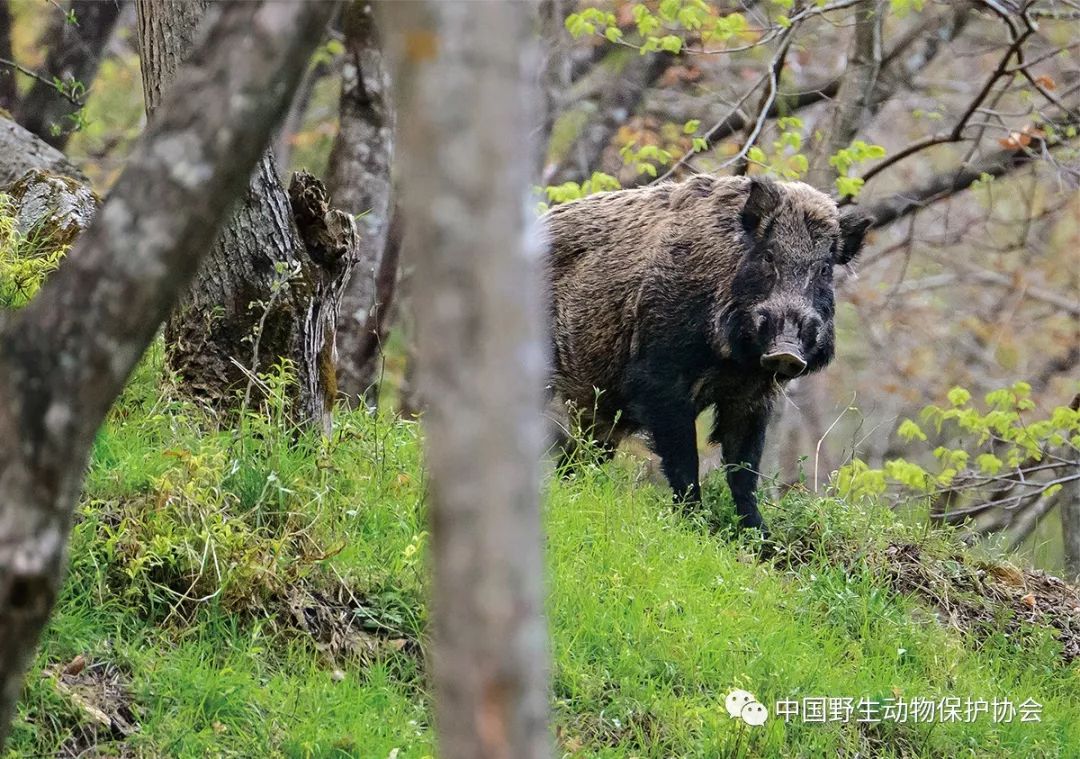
[(652, 291)]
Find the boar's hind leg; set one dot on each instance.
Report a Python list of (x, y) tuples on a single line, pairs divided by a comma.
[(663, 406), (742, 439)]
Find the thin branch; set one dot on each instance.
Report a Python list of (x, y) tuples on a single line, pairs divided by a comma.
[(77, 102), (811, 95), (956, 134), (948, 183), (767, 102)]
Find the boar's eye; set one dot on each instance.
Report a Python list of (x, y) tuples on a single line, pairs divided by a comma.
[(823, 269)]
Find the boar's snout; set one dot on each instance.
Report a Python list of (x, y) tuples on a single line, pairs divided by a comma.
[(785, 336)]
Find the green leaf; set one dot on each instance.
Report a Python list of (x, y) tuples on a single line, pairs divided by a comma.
[(958, 396), (691, 126), (988, 463), (909, 431), (671, 43), (849, 186), (669, 9)]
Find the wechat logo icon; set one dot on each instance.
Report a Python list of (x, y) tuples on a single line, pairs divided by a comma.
[(744, 705)]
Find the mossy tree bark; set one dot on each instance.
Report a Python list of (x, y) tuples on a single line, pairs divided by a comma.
[(66, 356), (261, 294), (359, 181), (466, 84)]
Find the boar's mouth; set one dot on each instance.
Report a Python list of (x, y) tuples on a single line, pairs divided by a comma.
[(784, 358)]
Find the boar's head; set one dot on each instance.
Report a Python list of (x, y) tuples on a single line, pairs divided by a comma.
[(782, 301)]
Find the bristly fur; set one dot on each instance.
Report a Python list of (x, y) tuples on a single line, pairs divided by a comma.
[(665, 298)]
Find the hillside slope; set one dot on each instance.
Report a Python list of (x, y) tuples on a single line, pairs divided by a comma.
[(244, 594)]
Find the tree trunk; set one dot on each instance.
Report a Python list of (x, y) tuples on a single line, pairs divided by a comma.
[(856, 96), (74, 54), (359, 182), (66, 356), (22, 151), (614, 104), (466, 84), (8, 93), (260, 295), (1069, 498)]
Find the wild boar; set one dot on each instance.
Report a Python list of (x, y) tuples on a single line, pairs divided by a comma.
[(668, 299)]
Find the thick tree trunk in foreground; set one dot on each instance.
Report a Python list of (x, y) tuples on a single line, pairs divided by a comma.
[(359, 181), (260, 295), (66, 356), (466, 86), (74, 54)]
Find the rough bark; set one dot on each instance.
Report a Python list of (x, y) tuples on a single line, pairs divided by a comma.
[(66, 356), (466, 84), (74, 54), (260, 295), (22, 151), (360, 183)]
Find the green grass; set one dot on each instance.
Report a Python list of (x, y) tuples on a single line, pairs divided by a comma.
[(190, 543)]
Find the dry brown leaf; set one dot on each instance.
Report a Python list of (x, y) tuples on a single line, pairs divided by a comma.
[(75, 666)]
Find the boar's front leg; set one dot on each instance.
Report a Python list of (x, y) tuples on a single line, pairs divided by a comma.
[(741, 436), (662, 404)]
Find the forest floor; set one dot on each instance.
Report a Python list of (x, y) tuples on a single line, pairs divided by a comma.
[(249, 593)]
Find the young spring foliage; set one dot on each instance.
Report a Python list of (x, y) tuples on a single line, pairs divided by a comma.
[(980, 446), (26, 260)]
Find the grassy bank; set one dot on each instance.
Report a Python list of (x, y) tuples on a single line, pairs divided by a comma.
[(249, 593)]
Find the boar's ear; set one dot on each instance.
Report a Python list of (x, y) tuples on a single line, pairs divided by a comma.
[(853, 226), (764, 199)]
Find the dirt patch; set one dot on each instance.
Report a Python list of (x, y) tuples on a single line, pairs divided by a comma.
[(101, 693), (344, 625), (972, 597)]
